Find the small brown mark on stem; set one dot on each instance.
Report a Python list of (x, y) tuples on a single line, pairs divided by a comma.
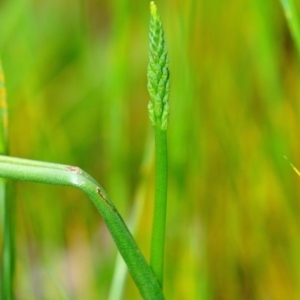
[(103, 196), (73, 169)]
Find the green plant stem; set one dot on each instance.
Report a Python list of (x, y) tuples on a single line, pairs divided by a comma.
[(160, 204), (6, 204), (27, 170), (8, 249), (293, 20)]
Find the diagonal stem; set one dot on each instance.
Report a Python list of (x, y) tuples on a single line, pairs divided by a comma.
[(27, 170)]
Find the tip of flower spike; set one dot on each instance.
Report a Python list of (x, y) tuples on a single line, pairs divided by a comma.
[(153, 8)]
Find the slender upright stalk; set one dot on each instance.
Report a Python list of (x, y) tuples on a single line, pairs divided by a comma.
[(6, 206), (160, 206), (158, 87), (28, 170), (292, 17)]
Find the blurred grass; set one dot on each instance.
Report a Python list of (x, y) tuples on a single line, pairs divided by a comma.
[(76, 81)]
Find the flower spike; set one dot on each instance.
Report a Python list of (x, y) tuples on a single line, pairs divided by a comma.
[(158, 72)]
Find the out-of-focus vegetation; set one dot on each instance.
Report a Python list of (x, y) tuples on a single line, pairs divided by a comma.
[(76, 83)]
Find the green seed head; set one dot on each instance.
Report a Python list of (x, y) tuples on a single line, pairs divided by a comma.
[(158, 72)]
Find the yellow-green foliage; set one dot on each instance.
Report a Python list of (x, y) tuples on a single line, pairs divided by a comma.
[(3, 114), (75, 76)]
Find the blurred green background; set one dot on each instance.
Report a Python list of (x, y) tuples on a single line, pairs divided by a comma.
[(76, 83)]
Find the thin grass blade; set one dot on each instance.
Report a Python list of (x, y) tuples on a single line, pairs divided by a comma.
[(292, 17)]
